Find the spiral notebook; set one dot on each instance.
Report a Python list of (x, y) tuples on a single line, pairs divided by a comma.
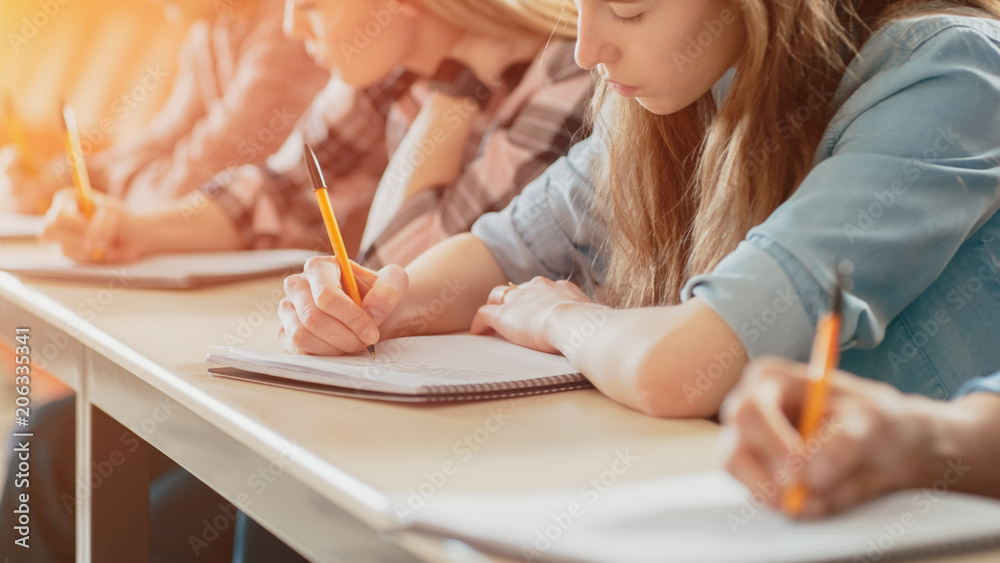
[(706, 518), (413, 369), (167, 271)]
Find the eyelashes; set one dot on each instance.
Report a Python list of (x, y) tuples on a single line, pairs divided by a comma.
[(628, 19), (632, 19)]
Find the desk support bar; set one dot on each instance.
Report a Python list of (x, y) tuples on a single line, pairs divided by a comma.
[(83, 455)]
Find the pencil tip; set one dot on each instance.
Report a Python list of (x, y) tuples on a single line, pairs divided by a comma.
[(371, 350)]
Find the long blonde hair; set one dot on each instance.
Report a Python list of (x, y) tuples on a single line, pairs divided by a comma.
[(501, 17), (679, 192)]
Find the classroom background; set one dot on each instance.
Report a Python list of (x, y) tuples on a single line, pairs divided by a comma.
[(112, 59)]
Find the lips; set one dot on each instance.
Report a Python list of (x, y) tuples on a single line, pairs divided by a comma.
[(623, 89)]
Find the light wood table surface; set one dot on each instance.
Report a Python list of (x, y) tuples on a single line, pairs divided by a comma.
[(326, 474)]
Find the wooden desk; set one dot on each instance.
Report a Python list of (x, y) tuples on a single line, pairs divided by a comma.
[(325, 474), (143, 350)]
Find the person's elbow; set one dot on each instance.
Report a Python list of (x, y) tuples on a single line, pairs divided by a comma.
[(670, 362), (672, 380), (657, 394)]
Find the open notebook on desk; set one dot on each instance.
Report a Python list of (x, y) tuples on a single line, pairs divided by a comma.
[(19, 227), (167, 271), (703, 518), (414, 369)]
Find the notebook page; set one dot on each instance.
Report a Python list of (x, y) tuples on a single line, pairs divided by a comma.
[(409, 365), (169, 269), (20, 226), (707, 517)]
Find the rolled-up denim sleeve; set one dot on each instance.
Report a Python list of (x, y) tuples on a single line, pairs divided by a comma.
[(989, 384), (762, 302), (910, 173), (549, 229)]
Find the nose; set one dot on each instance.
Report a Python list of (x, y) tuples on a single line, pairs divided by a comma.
[(296, 24), (593, 44)]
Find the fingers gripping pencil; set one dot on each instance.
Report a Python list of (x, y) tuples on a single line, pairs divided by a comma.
[(332, 229), (822, 363)]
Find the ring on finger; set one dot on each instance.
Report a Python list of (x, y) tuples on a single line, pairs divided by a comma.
[(510, 286)]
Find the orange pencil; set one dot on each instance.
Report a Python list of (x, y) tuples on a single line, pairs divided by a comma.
[(75, 150), (822, 362), (15, 130), (332, 229)]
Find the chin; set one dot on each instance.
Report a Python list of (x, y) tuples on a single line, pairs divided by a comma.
[(657, 106), (358, 79), (358, 72), (662, 106)]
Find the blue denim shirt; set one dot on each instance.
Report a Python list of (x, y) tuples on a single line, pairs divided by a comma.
[(905, 185), (989, 384)]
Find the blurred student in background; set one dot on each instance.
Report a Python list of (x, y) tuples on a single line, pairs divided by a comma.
[(239, 90), (442, 111), (881, 439), (443, 108)]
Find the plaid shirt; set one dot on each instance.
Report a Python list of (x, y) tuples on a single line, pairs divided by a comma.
[(530, 121)]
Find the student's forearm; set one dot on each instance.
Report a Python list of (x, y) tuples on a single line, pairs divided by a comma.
[(965, 447), (196, 224), (448, 284), (665, 361), (441, 131)]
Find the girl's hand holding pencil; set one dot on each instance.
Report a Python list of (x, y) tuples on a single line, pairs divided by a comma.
[(872, 441), (319, 317), (109, 235)]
